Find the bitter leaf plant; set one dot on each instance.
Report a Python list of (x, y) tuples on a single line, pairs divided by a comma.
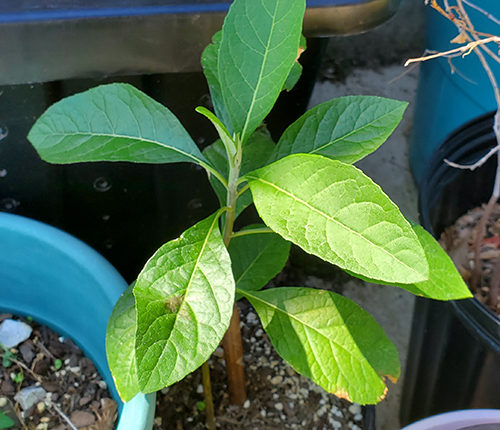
[(306, 191)]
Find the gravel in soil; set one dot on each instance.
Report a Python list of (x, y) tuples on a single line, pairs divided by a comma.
[(278, 398), (458, 241), (46, 379)]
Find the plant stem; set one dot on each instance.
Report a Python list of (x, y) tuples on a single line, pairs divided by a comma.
[(233, 349), (209, 401), (233, 354)]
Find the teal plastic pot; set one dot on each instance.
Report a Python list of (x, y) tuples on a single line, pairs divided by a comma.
[(63, 283)]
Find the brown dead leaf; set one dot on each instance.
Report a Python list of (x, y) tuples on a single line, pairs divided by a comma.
[(460, 39), (341, 394), (301, 50), (108, 416), (382, 397)]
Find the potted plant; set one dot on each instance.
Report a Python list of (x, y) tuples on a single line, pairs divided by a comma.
[(454, 350), (61, 282), (306, 191), (479, 419)]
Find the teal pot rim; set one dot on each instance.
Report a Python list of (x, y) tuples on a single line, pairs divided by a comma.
[(37, 263)]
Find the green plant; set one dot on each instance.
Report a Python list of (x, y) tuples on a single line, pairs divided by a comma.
[(306, 191), (5, 421)]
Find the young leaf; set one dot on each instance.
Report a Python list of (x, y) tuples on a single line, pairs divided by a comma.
[(260, 42), (445, 282), (113, 122), (226, 139), (256, 152), (120, 346), (209, 62), (332, 210), (5, 421), (257, 258), (329, 339), (345, 129), (184, 301)]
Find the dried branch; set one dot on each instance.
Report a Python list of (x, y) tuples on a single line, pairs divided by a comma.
[(477, 164), (484, 12)]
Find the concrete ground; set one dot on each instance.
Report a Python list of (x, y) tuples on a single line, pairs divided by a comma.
[(371, 64)]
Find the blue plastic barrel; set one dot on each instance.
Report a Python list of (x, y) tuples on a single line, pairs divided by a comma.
[(63, 283), (447, 100)]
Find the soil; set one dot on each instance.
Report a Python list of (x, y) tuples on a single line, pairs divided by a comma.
[(458, 241), (278, 398), (73, 387)]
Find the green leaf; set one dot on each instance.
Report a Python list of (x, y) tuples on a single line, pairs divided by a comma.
[(58, 364), (226, 139), (445, 282), (293, 77), (260, 41), (345, 129), (113, 122), (329, 339), (334, 211), (5, 421), (120, 346), (209, 61), (184, 301), (257, 258), (256, 152)]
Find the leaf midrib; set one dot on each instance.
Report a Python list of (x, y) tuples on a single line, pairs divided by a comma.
[(333, 142), (140, 139), (335, 221)]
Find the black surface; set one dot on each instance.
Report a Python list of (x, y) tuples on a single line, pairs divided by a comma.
[(454, 353)]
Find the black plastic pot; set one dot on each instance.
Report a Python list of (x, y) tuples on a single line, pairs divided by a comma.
[(454, 354)]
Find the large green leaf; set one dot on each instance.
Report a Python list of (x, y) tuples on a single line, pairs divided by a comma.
[(5, 421), (257, 258), (256, 152), (260, 41), (333, 210), (184, 301), (120, 346), (329, 339), (113, 122), (445, 282), (209, 61), (345, 129)]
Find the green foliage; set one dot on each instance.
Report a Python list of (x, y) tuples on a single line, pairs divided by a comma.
[(345, 129), (329, 339), (332, 210), (18, 378), (184, 299), (5, 421), (58, 364), (306, 191), (120, 345)]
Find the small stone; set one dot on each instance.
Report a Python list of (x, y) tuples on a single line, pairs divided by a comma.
[(82, 419), (199, 389), (219, 352), (246, 405), (102, 384), (27, 352), (85, 400), (357, 417), (41, 407), (336, 424), (29, 397), (278, 406), (3, 402), (263, 413), (251, 316), (277, 380), (42, 426), (259, 332), (45, 420), (355, 427), (158, 421), (165, 390), (354, 409), (12, 333)]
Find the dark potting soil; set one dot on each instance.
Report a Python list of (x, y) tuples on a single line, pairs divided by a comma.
[(278, 398), (63, 384), (458, 241)]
